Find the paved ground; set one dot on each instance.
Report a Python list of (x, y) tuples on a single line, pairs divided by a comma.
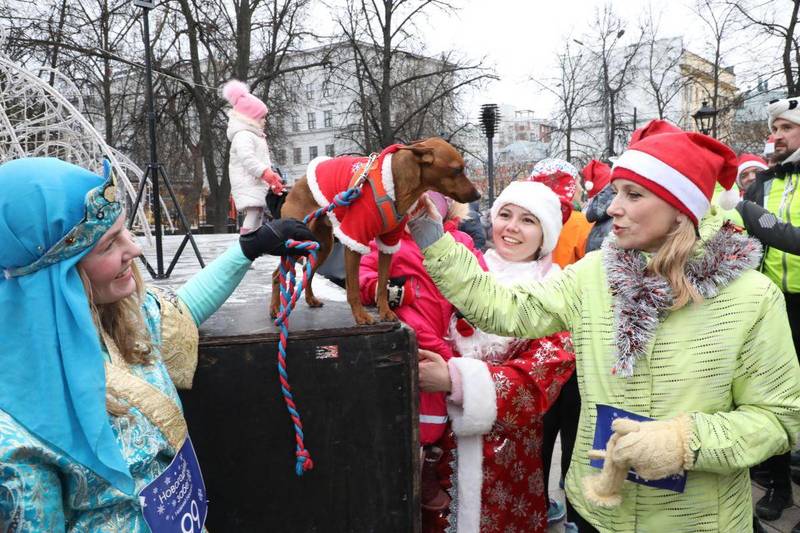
[(255, 285)]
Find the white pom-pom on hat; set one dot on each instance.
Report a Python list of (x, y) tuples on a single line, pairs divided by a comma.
[(233, 90), (588, 185), (728, 199)]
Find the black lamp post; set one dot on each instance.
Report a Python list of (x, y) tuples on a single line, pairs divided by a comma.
[(704, 118), (490, 118)]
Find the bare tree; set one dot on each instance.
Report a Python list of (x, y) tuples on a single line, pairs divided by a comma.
[(616, 62), (719, 18), (212, 36), (662, 66), (575, 88), (763, 15), (388, 68)]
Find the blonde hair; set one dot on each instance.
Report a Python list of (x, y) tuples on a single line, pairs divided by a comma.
[(670, 262), (123, 321)]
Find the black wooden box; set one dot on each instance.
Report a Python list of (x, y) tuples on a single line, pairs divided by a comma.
[(356, 390)]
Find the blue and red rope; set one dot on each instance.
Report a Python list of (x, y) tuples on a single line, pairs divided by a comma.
[(290, 291)]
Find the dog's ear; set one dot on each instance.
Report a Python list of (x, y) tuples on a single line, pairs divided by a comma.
[(423, 154)]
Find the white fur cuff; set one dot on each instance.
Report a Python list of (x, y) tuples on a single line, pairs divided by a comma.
[(478, 411), (385, 248)]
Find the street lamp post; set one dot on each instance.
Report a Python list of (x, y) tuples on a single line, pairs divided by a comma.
[(155, 170), (704, 118), (490, 117)]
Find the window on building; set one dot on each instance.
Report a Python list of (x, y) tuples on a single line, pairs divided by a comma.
[(297, 156), (312, 152), (295, 123), (312, 121), (280, 156), (329, 119), (326, 90), (329, 150), (310, 90)]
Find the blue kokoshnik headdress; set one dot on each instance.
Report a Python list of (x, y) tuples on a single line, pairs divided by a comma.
[(53, 382)]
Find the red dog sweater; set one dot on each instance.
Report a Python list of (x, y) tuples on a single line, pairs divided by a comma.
[(372, 215)]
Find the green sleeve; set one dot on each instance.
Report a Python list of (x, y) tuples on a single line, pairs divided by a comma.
[(530, 310), (766, 393), (207, 290)]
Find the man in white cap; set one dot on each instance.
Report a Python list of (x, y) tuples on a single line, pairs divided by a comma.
[(774, 190)]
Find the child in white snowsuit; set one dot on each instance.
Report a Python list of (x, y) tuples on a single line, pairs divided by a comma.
[(250, 168)]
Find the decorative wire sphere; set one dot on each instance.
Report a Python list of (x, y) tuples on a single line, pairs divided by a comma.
[(38, 120)]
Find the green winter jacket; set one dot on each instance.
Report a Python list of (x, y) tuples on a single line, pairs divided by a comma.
[(728, 362), (775, 189)]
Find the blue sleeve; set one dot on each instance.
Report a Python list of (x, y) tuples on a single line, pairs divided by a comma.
[(207, 290), (31, 497)]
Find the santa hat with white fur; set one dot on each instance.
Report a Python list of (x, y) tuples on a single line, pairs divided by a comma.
[(682, 169), (747, 161), (541, 202)]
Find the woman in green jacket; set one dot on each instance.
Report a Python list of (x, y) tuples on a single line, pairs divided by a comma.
[(669, 322)]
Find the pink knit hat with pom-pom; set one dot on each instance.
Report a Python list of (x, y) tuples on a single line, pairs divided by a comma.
[(242, 101)]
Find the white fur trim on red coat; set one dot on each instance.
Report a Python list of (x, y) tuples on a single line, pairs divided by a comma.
[(383, 247), (470, 421), (478, 411), (344, 239), (311, 177)]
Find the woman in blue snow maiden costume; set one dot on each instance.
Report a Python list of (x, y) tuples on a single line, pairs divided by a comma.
[(90, 357)]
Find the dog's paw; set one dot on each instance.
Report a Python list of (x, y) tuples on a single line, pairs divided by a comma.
[(388, 315), (362, 317), (312, 301)]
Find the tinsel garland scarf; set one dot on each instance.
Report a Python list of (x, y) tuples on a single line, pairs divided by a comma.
[(642, 299)]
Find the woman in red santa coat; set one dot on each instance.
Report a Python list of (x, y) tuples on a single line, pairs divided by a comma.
[(500, 387)]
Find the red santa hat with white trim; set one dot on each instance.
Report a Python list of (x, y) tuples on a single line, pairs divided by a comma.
[(747, 161), (596, 175), (682, 169)]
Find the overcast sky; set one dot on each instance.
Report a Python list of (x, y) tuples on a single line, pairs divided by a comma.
[(520, 39)]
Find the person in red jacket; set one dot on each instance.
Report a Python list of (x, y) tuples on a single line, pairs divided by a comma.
[(500, 387), (415, 299)]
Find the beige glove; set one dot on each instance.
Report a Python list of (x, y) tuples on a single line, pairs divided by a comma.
[(604, 489), (656, 449)]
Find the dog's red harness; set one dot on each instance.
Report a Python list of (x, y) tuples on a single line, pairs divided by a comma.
[(372, 216)]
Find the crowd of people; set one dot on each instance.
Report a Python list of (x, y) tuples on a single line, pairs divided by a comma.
[(656, 331)]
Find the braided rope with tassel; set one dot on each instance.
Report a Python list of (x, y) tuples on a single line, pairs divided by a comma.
[(290, 291)]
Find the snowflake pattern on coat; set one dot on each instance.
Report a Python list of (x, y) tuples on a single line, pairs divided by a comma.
[(512, 495)]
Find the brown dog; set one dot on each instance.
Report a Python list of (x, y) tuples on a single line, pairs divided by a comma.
[(431, 164)]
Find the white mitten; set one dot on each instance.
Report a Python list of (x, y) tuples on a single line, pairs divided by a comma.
[(656, 449), (604, 489)]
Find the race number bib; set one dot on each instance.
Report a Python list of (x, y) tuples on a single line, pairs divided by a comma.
[(175, 502), (606, 414)]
